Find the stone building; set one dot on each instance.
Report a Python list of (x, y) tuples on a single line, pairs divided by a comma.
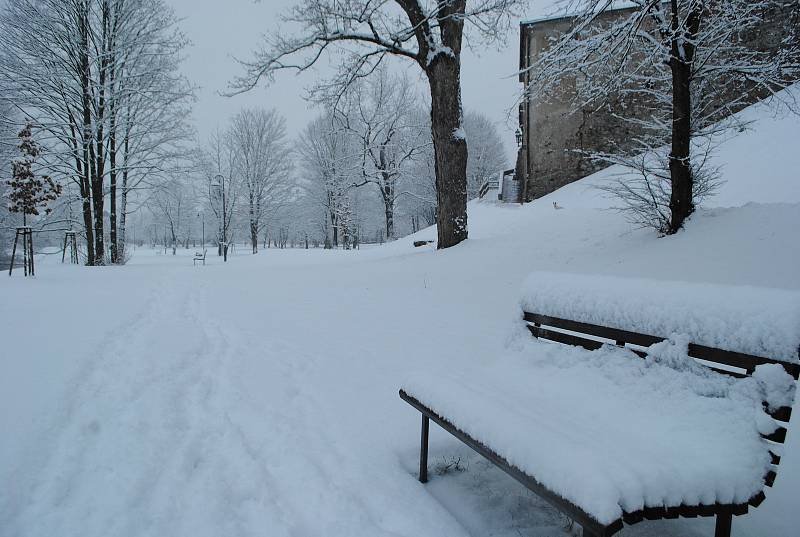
[(554, 134)]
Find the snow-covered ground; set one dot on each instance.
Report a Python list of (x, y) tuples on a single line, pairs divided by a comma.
[(260, 397)]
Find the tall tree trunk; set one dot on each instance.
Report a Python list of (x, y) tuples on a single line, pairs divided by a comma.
[(98, 177), (389, 221), (115, 72), (98, 203), (450, 148), (123, 222), (388, 206), (681, 204), (112, 176), (335, 229), (86, 104), (387, 192), (123, 202), (83, 189), (253, 224), (684, 32), (86, 207)]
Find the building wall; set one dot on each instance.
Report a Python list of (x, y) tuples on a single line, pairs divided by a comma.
[(556, 137)]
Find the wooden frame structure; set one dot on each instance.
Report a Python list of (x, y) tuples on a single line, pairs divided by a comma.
[(592, 337), (71, 242), (26, 234)]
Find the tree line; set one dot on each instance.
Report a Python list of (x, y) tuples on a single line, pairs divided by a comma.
[(99, 82), (361, 171)]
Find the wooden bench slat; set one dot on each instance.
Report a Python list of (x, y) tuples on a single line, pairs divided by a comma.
[(707, 510), (654, 513), (688, 511), (779, 436), (613, 334), (758, 499), (737, 359), (741, 509), (747, 362), (672, 512), (633, 518), (567, 339), (783, 413)]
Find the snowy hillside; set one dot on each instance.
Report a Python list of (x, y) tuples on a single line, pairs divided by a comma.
[(260, 397)]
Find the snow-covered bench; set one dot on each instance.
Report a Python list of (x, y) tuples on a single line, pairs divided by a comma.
[(199, 257), (609, 438)]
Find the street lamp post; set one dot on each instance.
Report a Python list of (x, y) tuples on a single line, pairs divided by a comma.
[(203, 242), (522, 160), (223, 225)]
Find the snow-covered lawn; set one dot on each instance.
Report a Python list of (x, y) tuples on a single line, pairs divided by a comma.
[(260, 397)]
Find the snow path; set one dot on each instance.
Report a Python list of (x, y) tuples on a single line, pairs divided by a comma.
[(166, 417)]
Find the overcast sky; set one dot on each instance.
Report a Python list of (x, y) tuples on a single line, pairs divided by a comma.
[(223, 29)]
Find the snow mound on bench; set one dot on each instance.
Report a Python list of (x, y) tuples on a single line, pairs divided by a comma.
[(611, 432), (760, 321)]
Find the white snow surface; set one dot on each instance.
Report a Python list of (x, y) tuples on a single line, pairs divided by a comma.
[(260, 397), (608, 431), (753, 320)]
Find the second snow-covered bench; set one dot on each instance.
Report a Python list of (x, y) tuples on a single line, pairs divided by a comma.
[(609, 438)]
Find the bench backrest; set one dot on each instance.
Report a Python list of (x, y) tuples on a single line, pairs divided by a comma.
[(592, 336)]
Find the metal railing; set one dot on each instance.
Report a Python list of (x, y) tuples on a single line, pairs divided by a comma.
[(487, 186)]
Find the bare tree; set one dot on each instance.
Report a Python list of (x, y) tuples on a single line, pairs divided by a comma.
[(693, 62), (262, 162), (331, 167), (487, 156), (427, 32), (149, 110), (223, 187), (99, 77), (378, 114), (173, 203)]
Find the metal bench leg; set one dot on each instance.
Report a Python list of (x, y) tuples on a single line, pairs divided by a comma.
[(423, 450), (724, 521)]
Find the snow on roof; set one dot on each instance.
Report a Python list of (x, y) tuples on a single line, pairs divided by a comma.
[(760, 321)]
